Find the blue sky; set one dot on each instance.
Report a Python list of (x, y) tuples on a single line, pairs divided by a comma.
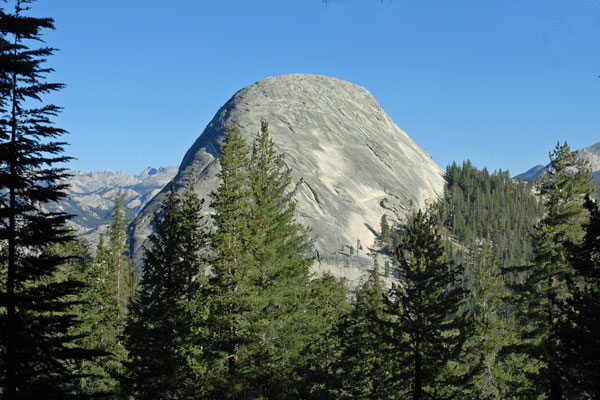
[(496, 82)]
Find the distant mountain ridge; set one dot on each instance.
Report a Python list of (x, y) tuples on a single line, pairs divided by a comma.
[(590, 153), (92, 196)]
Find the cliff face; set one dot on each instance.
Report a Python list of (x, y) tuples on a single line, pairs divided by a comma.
[(356, 163)]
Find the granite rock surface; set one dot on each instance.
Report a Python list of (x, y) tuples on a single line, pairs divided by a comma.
[(355, 162)]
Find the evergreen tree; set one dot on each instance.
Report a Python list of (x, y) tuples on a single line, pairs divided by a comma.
[(428, 331), (482, 208), (279, 246), (110, 284), (166, 333), (541, 300), (233, 264), (94, 380), (39, 355), (580, 330), (384, 236), (365, 365), (494, 377), (260, 279), (315, 375)]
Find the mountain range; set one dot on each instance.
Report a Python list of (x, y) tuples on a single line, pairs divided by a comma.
[(91, 197), (590, 153)]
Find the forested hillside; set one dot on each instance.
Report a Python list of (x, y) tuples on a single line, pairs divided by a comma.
[(482, 209)]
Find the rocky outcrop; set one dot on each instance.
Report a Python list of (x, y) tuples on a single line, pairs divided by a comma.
[(356, 163)]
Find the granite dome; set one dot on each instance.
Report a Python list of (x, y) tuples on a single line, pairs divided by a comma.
[(356, 163)]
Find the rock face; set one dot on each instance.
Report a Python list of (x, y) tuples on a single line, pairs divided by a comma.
[(92, 196), (356, 163)]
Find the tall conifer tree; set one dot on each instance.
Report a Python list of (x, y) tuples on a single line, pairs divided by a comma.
[(580, 330), (233, 265), (541, 301), (429, 331), (493, 376), (39, 357), (279, 246), (260, 282), (315, 375), (110, 282), (365, 365), (166, 331)]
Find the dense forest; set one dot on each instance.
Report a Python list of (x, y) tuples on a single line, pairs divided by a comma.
[(497, 295)]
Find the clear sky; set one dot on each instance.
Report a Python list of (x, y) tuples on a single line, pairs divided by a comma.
[(496, 82)]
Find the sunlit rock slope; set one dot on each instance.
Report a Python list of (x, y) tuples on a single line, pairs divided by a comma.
[(357, 164)]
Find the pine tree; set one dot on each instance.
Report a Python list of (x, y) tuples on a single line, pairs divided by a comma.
[(384, 236), (315, 374), (365, 364), (580, 330), (279, 246), (39, 355), (541, 300), (479, 207), (493, 376), (166, 331), (429, 331), (233, 265), (94, 381), (260, 279), (110, 283)]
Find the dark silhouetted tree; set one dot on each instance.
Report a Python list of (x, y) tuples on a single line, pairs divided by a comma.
[(429, 332), (39, 356), (541, 301), (166, 335)]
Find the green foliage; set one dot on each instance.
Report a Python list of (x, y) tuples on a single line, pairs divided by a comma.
[(166, 332), (326, 305), (260, 271), (279, 246), (479, 207), (494, 376), (233, 264), (541, 301), (384, 227), (429, 331), (365, 365), (110, 280), (580, 330), (39, 355)]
